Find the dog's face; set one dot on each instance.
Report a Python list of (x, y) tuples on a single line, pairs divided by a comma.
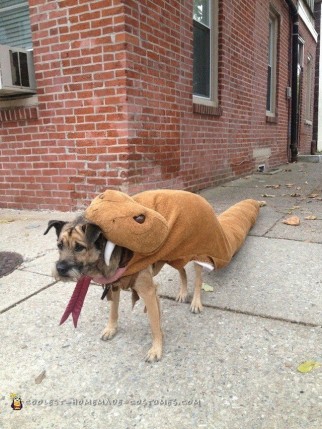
[(81, 247)]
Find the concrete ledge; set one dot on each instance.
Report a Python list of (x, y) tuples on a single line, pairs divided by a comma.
[(310, 158)]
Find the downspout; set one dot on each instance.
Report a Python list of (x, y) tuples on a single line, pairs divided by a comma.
[(294, 102)]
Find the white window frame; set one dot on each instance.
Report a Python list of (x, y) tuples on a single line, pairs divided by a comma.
[(272, 62), (25, 100), (310, 4), (212, 100), (309, 90)]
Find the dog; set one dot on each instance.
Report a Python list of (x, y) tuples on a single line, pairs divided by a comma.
[(82, 252)]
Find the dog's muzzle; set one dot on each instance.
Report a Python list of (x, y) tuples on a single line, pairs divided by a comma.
[(64, 269)]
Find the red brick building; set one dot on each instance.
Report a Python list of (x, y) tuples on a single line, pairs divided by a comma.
[(317, 117), (150, 94)]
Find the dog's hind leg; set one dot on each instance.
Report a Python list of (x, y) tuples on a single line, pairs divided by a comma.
[(111, 327), (183, 292), (196, 305), (147, 290)]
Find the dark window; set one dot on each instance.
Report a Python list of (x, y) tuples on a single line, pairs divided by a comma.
[(271, 64), (201, 63), (19, 69)]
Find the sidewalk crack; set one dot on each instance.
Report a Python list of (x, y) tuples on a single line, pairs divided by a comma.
[(250, 313), (26, 298)]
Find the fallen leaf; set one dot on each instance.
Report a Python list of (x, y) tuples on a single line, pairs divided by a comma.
[(295, 195), (273, 186), (308, 365), (289, 185), (207, 288), (293, 221), (295, 207), (313, 195), (40, 377), (6, 220), (268, 196), (310, 217)]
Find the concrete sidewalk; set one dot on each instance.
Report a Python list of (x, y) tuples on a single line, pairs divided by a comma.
[(232, 367)]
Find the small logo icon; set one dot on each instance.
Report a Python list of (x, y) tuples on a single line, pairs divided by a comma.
[(16, 401)]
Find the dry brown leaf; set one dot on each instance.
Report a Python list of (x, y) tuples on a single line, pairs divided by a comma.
[(273, 186), (295, 195), (313, 195), (268, 196), (289, 185), (292, 220), (40, 377), (6, 220), (311, 217)]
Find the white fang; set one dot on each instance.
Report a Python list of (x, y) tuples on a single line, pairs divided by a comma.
[(108, 252)]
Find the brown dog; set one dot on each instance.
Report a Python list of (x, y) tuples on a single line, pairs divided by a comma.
[(81, 248)]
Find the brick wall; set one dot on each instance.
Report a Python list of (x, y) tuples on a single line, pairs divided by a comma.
[(76, 143), (169, 144), (115, 102)]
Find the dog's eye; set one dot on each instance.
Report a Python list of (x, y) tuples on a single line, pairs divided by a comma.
[(60, 245), (140, 218), (79, 247)]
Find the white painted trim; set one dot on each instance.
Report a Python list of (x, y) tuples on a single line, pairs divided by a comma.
[(319, 136), (213, 98), (306, 19)]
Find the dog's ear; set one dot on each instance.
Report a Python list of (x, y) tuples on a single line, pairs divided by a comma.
[(57, 224), (92, 232)]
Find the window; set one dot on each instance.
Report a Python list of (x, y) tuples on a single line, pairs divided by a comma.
[(272, 62), (15, 28), (205, 52), (17, 85), (309, 89), (310, 4)]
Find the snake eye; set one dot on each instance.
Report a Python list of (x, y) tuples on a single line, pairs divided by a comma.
[(139, 219)]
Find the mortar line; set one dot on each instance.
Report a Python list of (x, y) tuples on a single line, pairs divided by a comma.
[(26, 298), (249, 313)]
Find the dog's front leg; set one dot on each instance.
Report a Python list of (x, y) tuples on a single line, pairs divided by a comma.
[(111, 327), (147, 290)]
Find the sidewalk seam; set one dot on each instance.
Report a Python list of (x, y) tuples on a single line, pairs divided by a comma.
[(27, 297), (249, 313)]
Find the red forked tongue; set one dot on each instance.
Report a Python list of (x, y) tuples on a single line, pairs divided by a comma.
[(76, 301)]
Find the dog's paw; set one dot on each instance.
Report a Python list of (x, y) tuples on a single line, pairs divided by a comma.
[(182, 297), (154, 354), (196, 306), (108, 333)]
